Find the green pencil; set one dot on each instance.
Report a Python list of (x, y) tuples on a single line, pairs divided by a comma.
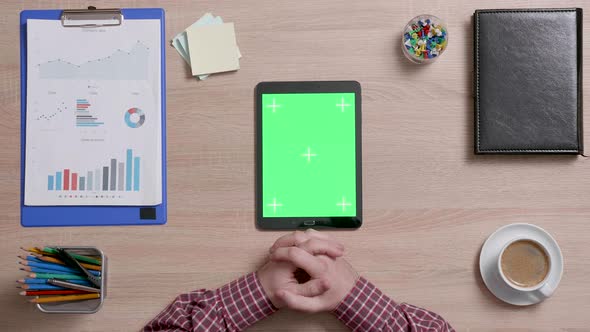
[(76, 256), (56, 276)]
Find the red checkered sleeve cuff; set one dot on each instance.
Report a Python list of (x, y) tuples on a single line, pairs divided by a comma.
[(366, 308), (232, 307), (245, 302)]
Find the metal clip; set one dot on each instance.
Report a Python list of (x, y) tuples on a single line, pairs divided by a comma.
[(91, 17)]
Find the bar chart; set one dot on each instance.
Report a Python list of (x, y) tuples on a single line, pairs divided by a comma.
[(114, 175), (83, 116)]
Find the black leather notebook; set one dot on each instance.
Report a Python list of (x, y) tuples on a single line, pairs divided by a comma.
[(528, 81)]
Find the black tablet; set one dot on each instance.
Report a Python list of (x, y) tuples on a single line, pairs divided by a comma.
[(308, 155)]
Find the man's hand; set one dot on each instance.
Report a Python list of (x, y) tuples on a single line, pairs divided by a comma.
[(313, 252), (279, 276)]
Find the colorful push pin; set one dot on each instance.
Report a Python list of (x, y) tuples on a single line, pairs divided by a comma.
[(424, 38)]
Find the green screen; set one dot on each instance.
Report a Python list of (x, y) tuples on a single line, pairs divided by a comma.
[(308, 155)]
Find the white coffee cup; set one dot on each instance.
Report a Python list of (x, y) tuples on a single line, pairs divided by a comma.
[(543, 288)]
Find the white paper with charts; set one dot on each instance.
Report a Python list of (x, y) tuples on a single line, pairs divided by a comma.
[(93, 117)]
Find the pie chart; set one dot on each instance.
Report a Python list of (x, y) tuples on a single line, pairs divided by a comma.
[(134, 117)]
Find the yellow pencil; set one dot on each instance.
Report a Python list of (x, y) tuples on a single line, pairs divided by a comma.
[(77, 297), (34, 250), (57, 261)]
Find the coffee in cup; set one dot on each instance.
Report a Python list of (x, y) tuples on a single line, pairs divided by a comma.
[(525, 263)]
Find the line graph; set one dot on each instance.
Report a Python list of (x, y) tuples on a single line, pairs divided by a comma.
[(120, 65)]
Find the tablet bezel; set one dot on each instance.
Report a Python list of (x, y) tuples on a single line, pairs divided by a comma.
[(308, 87)]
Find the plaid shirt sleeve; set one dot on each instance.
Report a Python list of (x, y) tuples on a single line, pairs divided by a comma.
[(232, 307), (366, 308)]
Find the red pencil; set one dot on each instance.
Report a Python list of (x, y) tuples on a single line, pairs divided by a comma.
[(53, 292)]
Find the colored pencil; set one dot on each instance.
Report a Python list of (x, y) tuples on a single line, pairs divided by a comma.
[(57, 261), (35, 250), (52, 292), (62, 283), (47, 251), (54, 268), (30, 281), (50, 266), (40, 270), (57, 276), (77, 297), (30, 258), (81, 258), (41, 287)]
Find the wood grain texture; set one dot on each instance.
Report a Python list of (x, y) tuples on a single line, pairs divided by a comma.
[(429, 202)]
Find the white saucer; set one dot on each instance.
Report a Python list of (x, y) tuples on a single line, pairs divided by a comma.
[(488, 260)]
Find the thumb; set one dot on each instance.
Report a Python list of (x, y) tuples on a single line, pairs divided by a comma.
[(314, 287)]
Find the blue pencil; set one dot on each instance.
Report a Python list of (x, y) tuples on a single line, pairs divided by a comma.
[(30, 258), (55, 267), (40, 270), (30, 281), (50, 266), (41, 287)]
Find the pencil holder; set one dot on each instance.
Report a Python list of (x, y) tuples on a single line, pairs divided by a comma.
[(81, 307)]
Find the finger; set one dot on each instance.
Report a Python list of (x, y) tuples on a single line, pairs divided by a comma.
[(298, 237), (321, 247), (312, 233), (290, 240), (301, 303), (320, 235), (301, 259), (314, 287)]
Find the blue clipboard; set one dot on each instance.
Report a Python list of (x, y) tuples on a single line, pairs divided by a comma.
[(40, 216)]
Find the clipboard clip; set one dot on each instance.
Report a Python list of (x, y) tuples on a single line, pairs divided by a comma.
[(91, 17)]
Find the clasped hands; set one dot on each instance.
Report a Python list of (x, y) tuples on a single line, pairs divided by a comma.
[(330, 276)]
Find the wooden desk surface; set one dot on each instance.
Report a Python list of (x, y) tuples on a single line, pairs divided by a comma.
[(429, 202)]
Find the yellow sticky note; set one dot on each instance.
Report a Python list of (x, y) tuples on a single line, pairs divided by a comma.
[(212, 48)]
